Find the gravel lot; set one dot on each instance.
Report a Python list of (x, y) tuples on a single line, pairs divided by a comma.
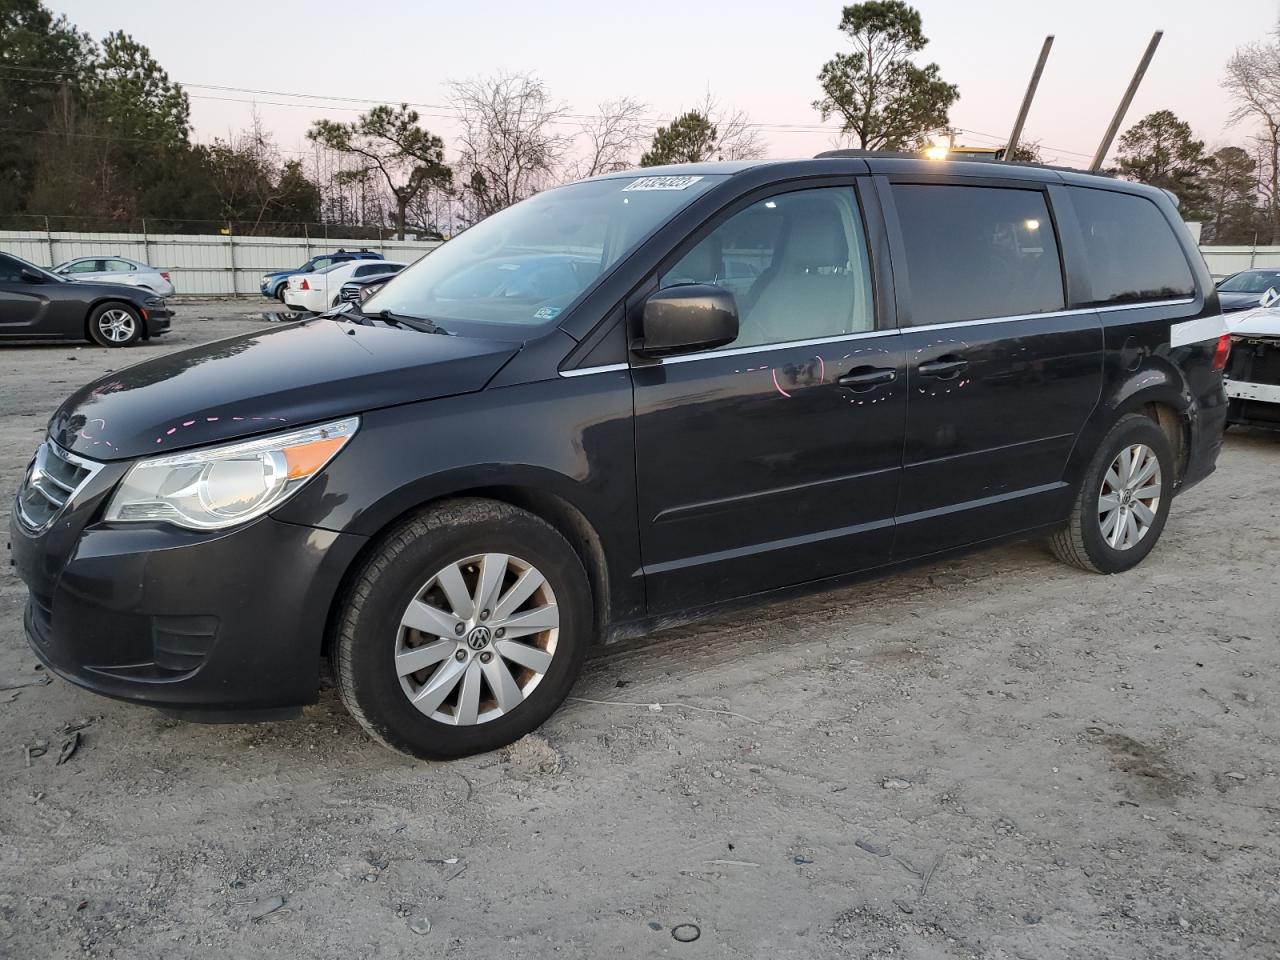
[(992, 757)]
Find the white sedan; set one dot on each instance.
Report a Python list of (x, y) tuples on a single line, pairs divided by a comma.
[(134, 273), (1253, 370), (319, 291)]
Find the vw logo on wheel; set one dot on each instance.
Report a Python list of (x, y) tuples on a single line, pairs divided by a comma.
[(478, 638)]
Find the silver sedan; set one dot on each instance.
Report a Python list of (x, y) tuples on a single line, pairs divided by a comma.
[(118, 270)]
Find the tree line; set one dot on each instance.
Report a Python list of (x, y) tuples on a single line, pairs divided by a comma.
[(95, 133)]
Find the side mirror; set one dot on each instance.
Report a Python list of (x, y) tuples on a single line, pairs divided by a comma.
[(682, 319), (1268, 298), (31, 276)]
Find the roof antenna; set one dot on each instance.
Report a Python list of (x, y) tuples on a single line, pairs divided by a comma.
[(1012, 145), (1105, 146)]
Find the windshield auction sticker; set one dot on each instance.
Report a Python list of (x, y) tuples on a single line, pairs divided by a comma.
[(661, 183)]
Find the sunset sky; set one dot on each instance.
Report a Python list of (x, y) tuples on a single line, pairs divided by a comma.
[(759, 57)]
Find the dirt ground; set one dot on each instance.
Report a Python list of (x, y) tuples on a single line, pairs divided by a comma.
[(995, 757)]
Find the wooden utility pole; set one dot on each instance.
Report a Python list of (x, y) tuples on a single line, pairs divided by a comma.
[(1016, 134), (1105, 146)]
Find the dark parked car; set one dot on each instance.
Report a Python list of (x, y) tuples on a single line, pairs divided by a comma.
[(1244, 290), (273, 283), (454, 492), (38, 305)]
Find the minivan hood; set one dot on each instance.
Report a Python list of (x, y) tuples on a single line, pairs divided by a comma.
[(265, 381)]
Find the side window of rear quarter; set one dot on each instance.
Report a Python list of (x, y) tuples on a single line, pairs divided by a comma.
[(1130, 250)]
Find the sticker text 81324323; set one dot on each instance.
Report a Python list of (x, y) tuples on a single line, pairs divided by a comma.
[(662, 183)]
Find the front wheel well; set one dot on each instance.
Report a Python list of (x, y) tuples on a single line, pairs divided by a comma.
[(563, 516)]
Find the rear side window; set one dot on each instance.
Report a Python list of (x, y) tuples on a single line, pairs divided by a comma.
[(974, 253), (1130, 247)]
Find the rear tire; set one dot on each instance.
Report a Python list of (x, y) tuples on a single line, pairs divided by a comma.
[(1117, 518), (416, 597), (115, 325)]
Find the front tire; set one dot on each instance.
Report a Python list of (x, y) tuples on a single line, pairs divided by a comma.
[(115, 325), (463, 630), (1123, 501)]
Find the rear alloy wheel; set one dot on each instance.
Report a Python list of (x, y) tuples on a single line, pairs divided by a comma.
[(464, 630), (1123, 500), (115, 325)]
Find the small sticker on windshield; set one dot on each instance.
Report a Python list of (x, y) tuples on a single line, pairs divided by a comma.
[(662, 183), (547, 313)]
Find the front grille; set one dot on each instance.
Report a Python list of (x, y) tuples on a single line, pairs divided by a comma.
[(349, 294), (52, 479)]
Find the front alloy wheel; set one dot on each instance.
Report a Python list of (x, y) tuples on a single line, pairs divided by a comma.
[(463, 630), (478, 639)]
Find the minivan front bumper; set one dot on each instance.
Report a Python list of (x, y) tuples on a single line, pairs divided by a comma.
[(211, 627)]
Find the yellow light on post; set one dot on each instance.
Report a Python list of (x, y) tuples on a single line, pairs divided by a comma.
[(936, 152)]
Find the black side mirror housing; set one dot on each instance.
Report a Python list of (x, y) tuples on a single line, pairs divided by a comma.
[(31, 276), (695, 316)]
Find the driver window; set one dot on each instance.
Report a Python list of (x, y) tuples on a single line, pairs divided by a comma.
[(796, 264)]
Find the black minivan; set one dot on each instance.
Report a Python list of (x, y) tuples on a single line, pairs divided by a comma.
[(616, 405)]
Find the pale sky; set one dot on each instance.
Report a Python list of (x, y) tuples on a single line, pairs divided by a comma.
[(761, 57)]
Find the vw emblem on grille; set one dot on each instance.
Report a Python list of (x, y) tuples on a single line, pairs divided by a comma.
[(478, 638)]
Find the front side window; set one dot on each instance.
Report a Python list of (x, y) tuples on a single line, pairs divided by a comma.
[(85, 266), (1130, 247), (796, 264), (977, 253), (524, 266), (10, 269)]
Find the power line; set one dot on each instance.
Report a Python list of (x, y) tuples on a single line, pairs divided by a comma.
[(327, 102)]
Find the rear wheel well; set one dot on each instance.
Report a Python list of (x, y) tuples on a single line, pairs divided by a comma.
[(563, 516), (1176, 428)]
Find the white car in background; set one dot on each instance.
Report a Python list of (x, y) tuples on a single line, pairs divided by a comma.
[(1253, 369), (319, 291), (118, 270)]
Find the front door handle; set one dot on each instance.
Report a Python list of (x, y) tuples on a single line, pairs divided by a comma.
[(864, 378), (946, 367)]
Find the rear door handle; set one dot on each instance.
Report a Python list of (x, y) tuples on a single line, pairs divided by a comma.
[(864, 378), (946, 367)]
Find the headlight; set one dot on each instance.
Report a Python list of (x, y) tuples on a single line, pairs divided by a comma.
[(154, 302), (266, 278), (216, 487)]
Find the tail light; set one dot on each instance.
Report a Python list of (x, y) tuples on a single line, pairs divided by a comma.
[(304, 286), (1222, 352), (165, 274)]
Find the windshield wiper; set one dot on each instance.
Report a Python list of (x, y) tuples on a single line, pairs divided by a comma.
[(421, 324)]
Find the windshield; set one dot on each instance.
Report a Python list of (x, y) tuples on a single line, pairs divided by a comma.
[(1251, 281), (523, 266)]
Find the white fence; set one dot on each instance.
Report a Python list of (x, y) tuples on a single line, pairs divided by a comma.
[(203, 265), (200, 265), (1224, 261)]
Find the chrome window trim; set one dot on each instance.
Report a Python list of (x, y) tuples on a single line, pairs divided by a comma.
[(780, 345), (587, 371), (863, 334), (33, 471)]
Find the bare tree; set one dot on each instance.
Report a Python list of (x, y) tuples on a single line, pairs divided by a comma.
[(707, 132), (614, 137), (509, 147), (737, 138), (1253, 83)]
